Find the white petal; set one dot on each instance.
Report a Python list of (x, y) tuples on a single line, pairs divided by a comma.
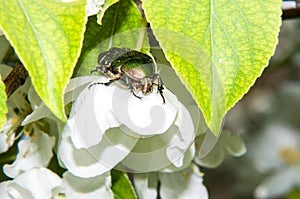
[(150, 154), (208, 143), (93, 6), (91, 115), (39, 182), (73, 89), (188, 158), (266, 150), (186, 184), (98, 159), (34, 152), (277, 185), (147, 116), (40, 112), (33, 98), (182, 139), (297, 177), (17, 99), (18, 192), (227, 144), (4, 190), (88, 188), (3, 142), (146, 185)]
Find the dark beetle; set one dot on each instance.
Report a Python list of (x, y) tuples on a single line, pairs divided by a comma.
[(132, 69)]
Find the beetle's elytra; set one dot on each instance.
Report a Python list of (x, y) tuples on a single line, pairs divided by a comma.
[(131, 69)]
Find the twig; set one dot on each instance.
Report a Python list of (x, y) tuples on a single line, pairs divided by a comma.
[(15, 79), (290, 9)]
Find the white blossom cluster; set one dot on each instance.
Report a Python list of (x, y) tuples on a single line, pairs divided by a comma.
[(152, 136)]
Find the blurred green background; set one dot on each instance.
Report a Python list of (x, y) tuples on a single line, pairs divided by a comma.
[(273, 105)]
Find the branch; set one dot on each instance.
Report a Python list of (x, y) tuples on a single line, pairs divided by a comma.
[(15, 79), (290, 9)]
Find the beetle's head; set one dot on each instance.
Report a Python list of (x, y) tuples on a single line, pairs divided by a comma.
[(146, 85), (102, 69)]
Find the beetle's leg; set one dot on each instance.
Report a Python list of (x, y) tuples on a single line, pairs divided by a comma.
[(156, 80), (111, 81), (159, 85), (106, 83), (135, 95), (130, 87), (92, 71), (160, 89)]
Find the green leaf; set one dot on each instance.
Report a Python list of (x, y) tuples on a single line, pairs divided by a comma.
[(3, 107), (106, 5), (121, 186), (122, 26), (47, 36), (218, 48), (295, 194)]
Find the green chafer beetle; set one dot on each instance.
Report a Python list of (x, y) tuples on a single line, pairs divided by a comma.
[(131, 69)]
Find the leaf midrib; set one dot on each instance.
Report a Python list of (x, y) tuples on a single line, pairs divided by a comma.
[(113, 25), (36, 34)]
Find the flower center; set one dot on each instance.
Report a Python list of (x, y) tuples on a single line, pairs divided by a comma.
[(290, 155)]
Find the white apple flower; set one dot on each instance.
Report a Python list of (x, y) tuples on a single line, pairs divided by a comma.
[(277, 146), (277, 150), (109, 126), (34, 152), (184, 184), (32, 184)]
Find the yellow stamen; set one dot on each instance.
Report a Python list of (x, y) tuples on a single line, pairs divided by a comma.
[(290, 155), (14, 119)]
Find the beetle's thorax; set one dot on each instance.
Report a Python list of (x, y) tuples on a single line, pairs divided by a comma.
[(136, 73), (108, 72)]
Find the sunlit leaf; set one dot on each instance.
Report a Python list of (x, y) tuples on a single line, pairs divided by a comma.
[(106, 5), (47, 36), (218, 48), (122, 26), (121, 185), (3, 107)]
